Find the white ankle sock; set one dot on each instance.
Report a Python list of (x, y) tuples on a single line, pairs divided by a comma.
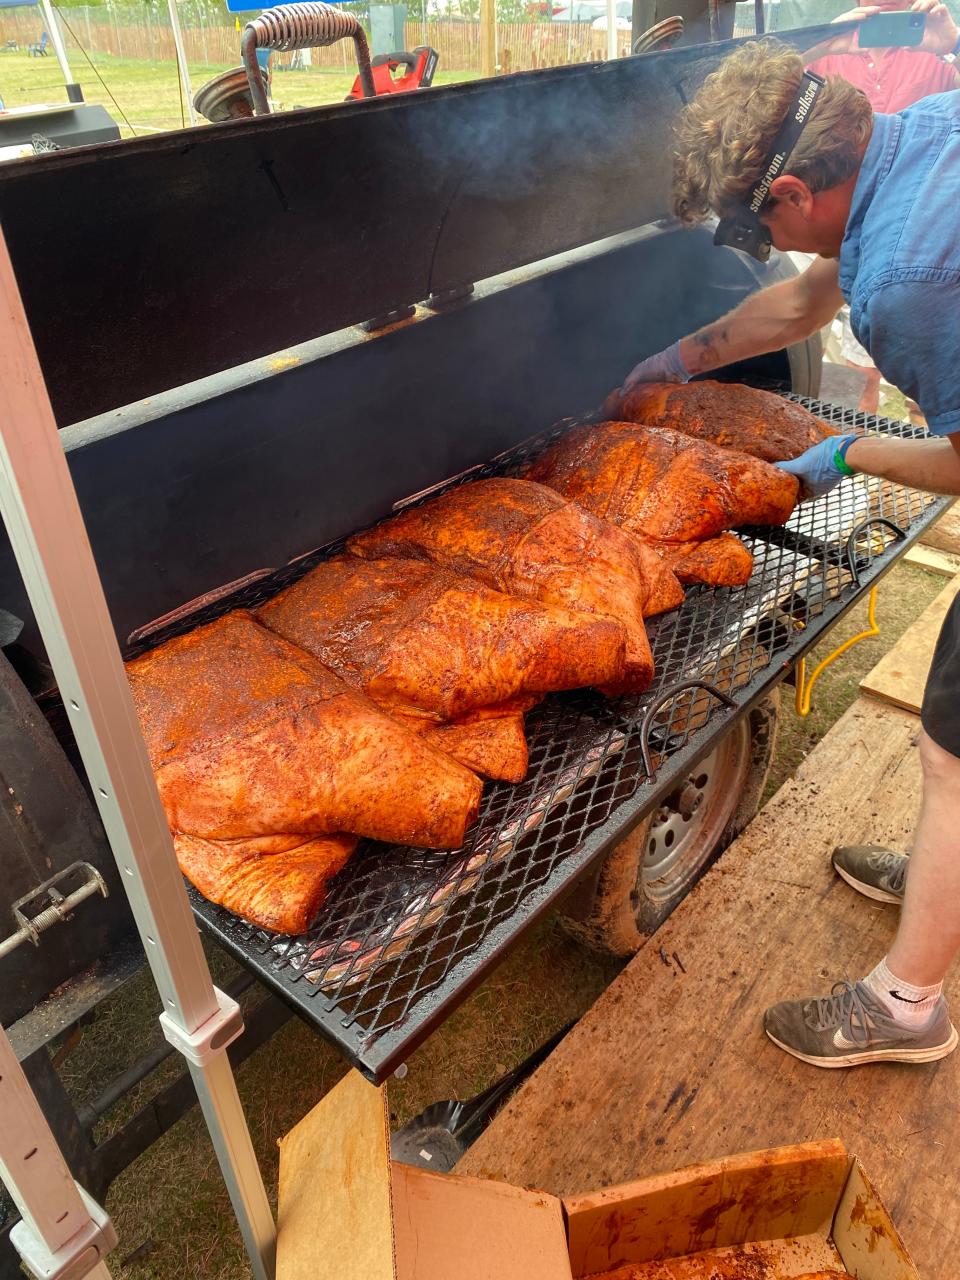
[(909, 1005)]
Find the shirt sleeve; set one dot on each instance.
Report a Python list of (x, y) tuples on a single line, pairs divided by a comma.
[(910, 330)]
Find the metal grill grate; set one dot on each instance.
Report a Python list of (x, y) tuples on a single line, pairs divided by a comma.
[(406, 932)]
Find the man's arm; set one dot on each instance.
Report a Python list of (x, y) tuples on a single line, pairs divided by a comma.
[(933, 465), (766, 321)]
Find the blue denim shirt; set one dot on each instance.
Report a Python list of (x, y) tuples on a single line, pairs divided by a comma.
[(900, 258)]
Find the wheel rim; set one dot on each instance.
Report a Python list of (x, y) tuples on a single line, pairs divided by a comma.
[(686, 827)]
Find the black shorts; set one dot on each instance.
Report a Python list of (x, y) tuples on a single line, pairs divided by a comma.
[(940, 713)]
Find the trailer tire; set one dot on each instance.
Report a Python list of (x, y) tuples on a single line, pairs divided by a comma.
[(650, 872)]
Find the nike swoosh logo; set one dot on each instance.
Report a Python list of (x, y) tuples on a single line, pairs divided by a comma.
[(840, 1041), (906, 999)]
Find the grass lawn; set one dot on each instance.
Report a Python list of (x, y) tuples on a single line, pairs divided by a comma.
[(147, 93)]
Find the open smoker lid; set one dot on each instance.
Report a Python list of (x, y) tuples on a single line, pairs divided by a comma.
[(149, 263)]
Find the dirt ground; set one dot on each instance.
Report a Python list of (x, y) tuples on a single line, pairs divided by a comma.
[(170, 1207)]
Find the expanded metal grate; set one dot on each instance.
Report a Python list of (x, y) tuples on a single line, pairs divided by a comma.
[(406, 932)]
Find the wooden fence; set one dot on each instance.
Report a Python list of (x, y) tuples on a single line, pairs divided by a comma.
[(118, 33)]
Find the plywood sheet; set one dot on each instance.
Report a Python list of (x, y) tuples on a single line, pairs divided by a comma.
[(475, 1230), (764, 1195), (671, 1065), (944, 534), (334, 1215), (900, 675)]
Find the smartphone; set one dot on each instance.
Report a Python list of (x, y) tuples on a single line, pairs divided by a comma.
[(898, 28)]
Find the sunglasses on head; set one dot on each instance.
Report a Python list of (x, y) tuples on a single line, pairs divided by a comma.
[(743, 230)]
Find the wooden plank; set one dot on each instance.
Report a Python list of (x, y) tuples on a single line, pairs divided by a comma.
[(946, 563), (944, 534), (335, 1216), (671, 1065), (900, 675), (764, 1195)]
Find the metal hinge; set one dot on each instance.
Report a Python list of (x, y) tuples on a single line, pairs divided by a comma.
[(57, 907)]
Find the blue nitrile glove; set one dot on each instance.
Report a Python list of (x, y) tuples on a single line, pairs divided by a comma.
[(665, 366), (822, 467)]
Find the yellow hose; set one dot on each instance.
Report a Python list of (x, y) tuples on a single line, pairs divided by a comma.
[(804, 687)]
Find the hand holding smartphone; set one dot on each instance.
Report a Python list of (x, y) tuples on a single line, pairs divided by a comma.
[(900, 28)]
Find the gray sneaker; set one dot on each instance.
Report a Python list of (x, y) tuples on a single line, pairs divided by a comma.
[(875, 872), (850, 1026)]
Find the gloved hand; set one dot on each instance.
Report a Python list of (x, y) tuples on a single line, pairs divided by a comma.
[(822, 467), (665, 366)]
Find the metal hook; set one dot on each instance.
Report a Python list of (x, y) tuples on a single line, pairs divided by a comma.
[(665, 697), (850, 549)]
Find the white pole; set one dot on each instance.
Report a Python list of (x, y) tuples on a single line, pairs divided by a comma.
[(59, 1223), (39, 506), (611, 30), (56, 39), (182, 58)]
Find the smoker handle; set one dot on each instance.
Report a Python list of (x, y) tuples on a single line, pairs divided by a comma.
[(665, 697), (306, 25), (851, 547)]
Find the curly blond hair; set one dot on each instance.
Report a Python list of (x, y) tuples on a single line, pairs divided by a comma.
[(723, 137)]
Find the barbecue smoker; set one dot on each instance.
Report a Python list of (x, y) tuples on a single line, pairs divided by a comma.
[(263, 336)]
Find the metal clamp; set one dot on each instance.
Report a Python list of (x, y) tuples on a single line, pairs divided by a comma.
[(851, 547), (211, 1037), (77, 1258), (667, 696), (59, 908)]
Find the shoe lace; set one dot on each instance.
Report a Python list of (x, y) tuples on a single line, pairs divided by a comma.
[(844, 1007), (893, 865)]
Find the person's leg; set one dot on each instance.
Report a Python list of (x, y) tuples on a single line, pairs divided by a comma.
[(897, 1012), (857, 357), (870, 396), (929, 935)]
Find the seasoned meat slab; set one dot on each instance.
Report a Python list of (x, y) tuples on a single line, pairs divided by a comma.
[(258, 750), (670, 491), (528, 541), (419, 640), (727, 414)]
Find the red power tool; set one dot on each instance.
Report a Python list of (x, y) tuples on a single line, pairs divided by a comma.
[(421, 64)]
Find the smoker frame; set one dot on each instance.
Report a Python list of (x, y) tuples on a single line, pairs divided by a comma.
[(799, 574)]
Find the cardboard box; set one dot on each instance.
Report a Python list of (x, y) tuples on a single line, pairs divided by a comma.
[(347, 1213)]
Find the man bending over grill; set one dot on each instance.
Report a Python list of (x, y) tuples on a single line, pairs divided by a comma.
[(877, 197)]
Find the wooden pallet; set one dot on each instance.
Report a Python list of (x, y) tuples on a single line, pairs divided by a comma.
[(671, 1065)]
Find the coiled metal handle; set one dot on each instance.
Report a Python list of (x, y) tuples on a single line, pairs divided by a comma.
[(660, 36), (300, 26)]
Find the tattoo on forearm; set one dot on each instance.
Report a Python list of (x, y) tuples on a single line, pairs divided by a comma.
[(710, 342)]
